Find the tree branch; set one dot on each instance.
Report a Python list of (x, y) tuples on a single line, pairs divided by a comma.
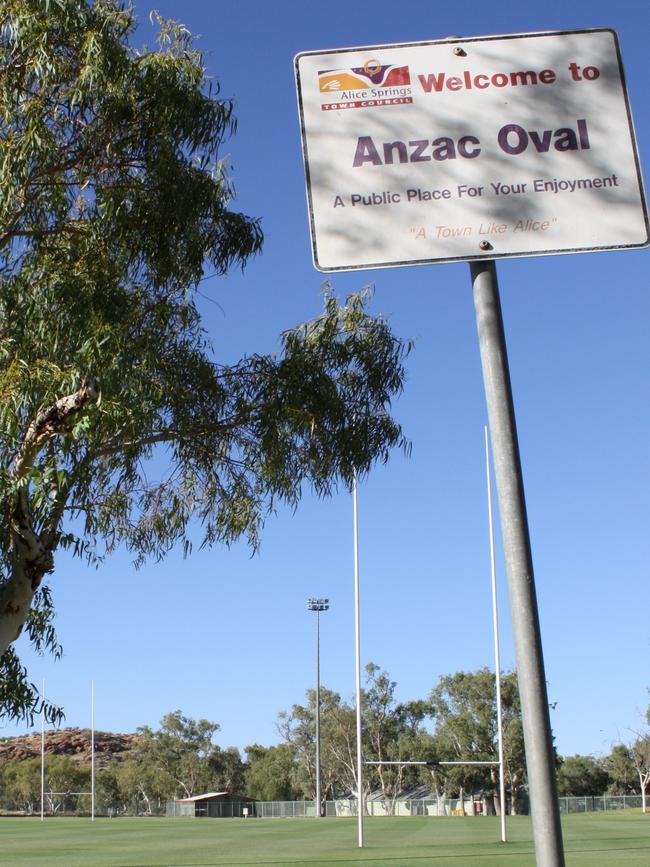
[(49, 422), (31, 552)]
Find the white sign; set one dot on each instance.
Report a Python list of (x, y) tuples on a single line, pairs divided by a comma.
[(469, 148)]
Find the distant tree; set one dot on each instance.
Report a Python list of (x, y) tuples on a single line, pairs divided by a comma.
[(581, 775), (464, 708), (620, 768), (113, 204), (21, 783), (390, 735), (413, 713), (298, 728), (514, 754), (108, 792), (143, 785), (390, 732), (64, 779), (340, 745), (181, 749), (227, 771), (640, 755), (271, 773)]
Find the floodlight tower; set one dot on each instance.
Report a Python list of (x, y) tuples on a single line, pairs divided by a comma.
[(318, 605)]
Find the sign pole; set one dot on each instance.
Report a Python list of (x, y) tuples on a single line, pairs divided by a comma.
[(357, 665), (540, 763), (497, 649)]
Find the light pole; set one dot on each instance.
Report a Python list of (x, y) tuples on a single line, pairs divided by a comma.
[(318, 605)]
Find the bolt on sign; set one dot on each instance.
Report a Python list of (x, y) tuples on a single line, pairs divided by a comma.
[(464, 149)]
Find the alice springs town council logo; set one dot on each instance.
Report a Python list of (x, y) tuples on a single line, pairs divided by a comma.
[(367, 86)]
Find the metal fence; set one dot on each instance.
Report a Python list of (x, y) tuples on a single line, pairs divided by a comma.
[(402, 807), (597, 803), (433, 807), (80, 806), (341, 808), (286, 809)]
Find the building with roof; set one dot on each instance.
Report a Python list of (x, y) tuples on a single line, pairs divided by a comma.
[(215, 805)]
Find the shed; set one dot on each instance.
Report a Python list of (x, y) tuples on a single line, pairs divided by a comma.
[(216, 805)]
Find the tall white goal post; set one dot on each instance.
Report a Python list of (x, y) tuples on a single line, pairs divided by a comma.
[(497, 661)]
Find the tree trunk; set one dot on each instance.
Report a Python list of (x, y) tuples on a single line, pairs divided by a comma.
[(31, 551), (148, 803), (16, 596), (513, 796), (496, 794)]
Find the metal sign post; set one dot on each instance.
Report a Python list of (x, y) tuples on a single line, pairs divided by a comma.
[(497, 649), (357, 664), (540, 761)]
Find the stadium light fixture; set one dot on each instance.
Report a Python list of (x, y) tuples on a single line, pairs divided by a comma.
[(318, 605)]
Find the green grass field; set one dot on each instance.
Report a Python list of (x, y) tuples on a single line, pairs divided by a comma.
[(616, 839)]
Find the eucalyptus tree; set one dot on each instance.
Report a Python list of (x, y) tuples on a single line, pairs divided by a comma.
[(621, 771), (64, 779), (227, 770), (137, 786), (20, 784), (640, 755), (114, 201), (298, 729), (271, 773), (582, 775), (391, 733), (464, 707), (182, 750)]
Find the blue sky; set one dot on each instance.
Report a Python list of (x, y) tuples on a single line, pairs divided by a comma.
[(225, 635)]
